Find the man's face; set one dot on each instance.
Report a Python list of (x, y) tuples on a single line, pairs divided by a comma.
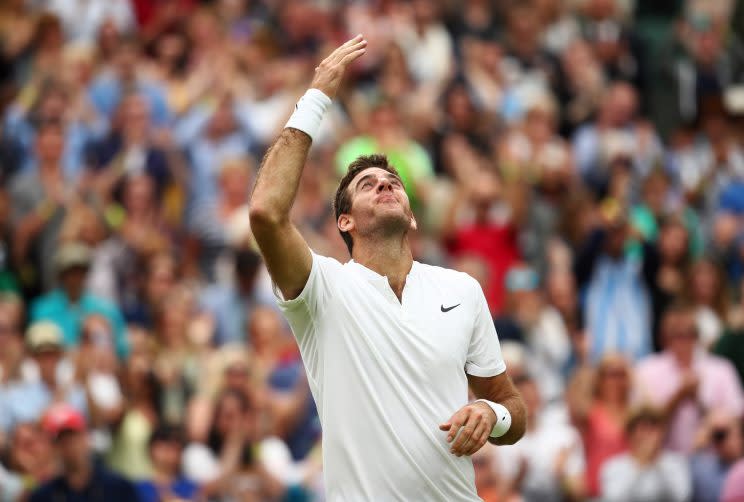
[(379, 205), (47, 360), (73, 281), (681, 335), (50, 145), (73, 448), (166, 455)]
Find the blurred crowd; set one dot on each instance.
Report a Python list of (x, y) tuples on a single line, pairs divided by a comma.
[(582, 159)]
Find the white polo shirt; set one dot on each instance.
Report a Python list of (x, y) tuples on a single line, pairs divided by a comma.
[(386, 373)]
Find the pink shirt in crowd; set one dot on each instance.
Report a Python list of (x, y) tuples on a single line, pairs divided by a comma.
[(659, 376), (603, 437)]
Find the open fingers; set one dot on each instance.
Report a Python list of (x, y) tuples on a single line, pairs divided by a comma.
[(352, 56), (350, 46)]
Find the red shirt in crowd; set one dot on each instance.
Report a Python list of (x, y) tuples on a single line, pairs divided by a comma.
[(496, 244)]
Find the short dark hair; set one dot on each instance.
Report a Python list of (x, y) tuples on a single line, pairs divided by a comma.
[(342, 201), (166, 434)]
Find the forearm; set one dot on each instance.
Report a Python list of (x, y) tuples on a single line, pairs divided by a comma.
[(279, 176)]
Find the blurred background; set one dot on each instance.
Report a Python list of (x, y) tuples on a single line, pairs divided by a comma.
[(583, 159)]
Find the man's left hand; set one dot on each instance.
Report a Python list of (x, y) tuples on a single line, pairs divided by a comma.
[(474, 422)]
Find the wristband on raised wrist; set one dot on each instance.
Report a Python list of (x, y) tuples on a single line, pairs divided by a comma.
[(309, 112)]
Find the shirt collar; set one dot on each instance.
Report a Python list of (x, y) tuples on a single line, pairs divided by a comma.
[(373, 276)]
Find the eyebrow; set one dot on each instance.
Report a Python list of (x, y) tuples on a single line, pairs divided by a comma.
[(356, 186)]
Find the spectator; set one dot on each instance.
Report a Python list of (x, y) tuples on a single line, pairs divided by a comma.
[(684, 380), (480, 223), (110, 88), (599, 402), (617, 311), (223, 222), (26, 401), (707, 290), (732, 491), (30, 457), (166, 445), (70, 303), (81, 477), (548, 462), (11, 339), (646, 471), (39, 202), (723, 446), (82, 21), (616, 132), (232, 305)]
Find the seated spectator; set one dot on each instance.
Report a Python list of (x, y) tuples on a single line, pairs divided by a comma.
[(166, 445), (223, 222), (617, 308), (685, 381), (109, 89), (212, 136), (733, 487), (722, 445), (706, 288), (11, 339), (128, 454), (277, 367), (70, 303), (231, 305), (27, 401), (599, 401), (480, 222), (39, 202), (30, 458), (130, 149), (647, 471), (616, 132), (81, 478), (548, 462)]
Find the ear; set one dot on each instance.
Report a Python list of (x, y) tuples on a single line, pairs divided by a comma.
[(345, 223), (414, 225)]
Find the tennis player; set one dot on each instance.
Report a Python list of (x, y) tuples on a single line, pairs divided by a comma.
[(390, 345)]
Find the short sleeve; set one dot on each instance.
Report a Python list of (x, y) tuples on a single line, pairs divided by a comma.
[(484, 357), (301, 312)]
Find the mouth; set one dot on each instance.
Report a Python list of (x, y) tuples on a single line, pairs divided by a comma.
[(386, 199)]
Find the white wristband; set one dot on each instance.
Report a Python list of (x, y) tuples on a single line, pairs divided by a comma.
[(309, 112), (503, 418)]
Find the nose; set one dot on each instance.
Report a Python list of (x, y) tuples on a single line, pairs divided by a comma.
[(384, 184)]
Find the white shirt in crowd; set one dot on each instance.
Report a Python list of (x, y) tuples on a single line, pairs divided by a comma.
[(539, 451), (668, 479), (385, 373)]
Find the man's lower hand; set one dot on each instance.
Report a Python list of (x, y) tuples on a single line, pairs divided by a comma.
[(474, 422)]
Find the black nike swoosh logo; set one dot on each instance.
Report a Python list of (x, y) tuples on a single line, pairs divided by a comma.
[(447, 309)]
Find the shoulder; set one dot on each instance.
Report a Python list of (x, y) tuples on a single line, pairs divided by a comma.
[(617, 464), (117, 482), (45, 491), (651, 362), (717, 364)]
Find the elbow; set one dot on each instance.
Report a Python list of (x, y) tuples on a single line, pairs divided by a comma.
[(262, 217)]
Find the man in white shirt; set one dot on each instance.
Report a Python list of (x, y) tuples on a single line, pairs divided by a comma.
[(390, 345)]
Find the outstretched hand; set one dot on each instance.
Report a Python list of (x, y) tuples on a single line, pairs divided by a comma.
[(474, 422), (330, 71)]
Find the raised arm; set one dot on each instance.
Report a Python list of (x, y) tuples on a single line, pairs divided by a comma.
[(286, 253)]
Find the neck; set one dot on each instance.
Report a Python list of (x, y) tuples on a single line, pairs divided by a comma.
[(162, 476), (79, 476), (392, 258)]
